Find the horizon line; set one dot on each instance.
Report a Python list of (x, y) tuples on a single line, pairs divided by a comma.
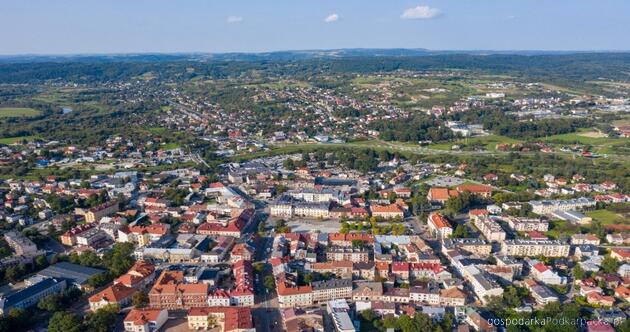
[(87, 54)]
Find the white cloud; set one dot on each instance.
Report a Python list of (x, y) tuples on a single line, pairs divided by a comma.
[(420, 13), (331, 18), (234, 19)]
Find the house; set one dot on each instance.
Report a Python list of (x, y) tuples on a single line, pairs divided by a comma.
[(540, 293), (622, 293), (116, 294), (477, 189), (599, 299), (387, 211), (226, 319), (289, 296), (145, 320), (140, 275), (452, 297), (620, 254), (440, 195), (439, 226), (544, 274)]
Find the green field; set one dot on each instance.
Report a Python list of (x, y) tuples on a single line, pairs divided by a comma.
[(16, 112), (490, 142), (605, 216), (605, 145), (11, 140)]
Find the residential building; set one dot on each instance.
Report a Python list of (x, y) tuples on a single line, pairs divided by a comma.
[(145, 320)]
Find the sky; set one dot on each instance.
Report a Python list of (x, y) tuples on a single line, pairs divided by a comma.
[(217, 26)]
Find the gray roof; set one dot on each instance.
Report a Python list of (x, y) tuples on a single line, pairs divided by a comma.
[(332, 283), (74, 273), (30, 291)]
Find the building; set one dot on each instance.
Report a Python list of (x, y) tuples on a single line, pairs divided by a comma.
[(549, 206), (327, 290), (75, 275), (520, 224), (367, 291), (439, 226), (31, 294), (339, 313), (145, 320), (477, 189), (544, 274), (540, 293), (390, 211), (440, 195), (20, 244), (452, 297), (140, 275), (293, 296), (170, 292), (532, 248), (580, 239), (226, 319), (354, 255), (342, 269), (425, 292), (490, 229), (95, 214), (116, 294), (69, 238)]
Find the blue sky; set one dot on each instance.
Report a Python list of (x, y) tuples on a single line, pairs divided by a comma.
[(124, 26)]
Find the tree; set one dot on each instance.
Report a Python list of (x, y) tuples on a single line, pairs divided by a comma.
[(103, 320), (609, 264), (511, 298), (269, 282), (51, 303), (578, 272), (139, 299), (99, 280), (119, 259), (460, 232), (64, 322)]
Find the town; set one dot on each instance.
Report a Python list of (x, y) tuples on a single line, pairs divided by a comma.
[(324, 193)]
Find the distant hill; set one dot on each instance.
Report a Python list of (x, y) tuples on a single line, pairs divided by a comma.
[(266, 56)]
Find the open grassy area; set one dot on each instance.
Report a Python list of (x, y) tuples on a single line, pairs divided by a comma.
[(169, 146), (605, 216), (490, 142), (583, 137), (11, 140), (15, 112)]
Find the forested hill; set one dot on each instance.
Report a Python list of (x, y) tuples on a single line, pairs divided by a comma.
[(578, 66)]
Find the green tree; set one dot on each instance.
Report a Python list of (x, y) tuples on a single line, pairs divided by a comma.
[(62, 321), (269, 282), (460, 232), (609, 264), (51, 303), (578, 272), (139, 299), (103, 320)]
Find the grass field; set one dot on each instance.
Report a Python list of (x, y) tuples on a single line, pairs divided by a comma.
[(582, 137), (490, 142), (605, 216), (16, 112), (11, 140)]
